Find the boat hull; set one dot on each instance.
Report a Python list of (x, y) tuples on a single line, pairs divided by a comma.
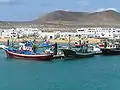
[(72, 54), (110, 51), (44, 57)]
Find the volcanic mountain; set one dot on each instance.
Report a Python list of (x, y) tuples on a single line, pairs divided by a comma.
[(104, 17), (71, 19)]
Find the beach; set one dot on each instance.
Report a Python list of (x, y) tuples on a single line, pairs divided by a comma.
[(90, 40)]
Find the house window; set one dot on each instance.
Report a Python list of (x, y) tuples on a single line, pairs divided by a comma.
[(102, 34)]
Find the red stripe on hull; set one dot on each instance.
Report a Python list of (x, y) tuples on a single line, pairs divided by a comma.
[(46, 57)]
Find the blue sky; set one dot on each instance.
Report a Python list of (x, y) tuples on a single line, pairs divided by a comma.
[(24, 10)]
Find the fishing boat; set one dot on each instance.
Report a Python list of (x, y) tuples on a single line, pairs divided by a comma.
[(106, 51), (111, 48), (26, 43), (69, 53), (46, 44), (94, 48), (2, 46), (78, 50), (23, 54)]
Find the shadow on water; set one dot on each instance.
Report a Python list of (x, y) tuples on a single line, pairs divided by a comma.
[(96, 57), (109, 55), (23, 59), (76, 59), (9, 59)]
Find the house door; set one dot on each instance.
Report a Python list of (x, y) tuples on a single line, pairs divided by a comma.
[(51, 37)]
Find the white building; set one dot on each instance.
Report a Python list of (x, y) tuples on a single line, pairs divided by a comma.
[(48, 35), (27, 31), (67, 34), (99, 32), (15, 32), (8, 33)]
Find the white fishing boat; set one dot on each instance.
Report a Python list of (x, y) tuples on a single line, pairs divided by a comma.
[(3, 46), (95, 48)]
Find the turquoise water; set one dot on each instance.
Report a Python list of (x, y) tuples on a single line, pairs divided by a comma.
[(97, 73)]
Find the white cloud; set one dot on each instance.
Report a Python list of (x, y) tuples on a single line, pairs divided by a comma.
[(83, 2), (105, 9), (10, 2), (64, 9)]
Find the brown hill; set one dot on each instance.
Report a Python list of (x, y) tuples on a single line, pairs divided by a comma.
[(105, 17), (62, 16), (70, 19)]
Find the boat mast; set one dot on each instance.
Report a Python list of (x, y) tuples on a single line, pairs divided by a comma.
[(69, 41)]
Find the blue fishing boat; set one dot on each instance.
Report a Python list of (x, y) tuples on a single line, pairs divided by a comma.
[(28, 53), (46, 44)]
